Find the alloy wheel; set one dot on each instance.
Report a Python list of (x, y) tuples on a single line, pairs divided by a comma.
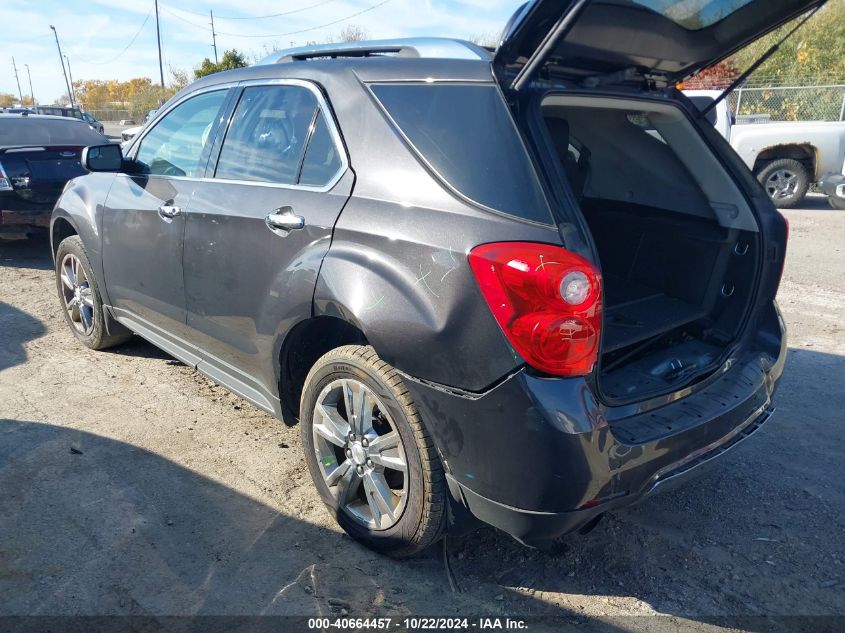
[(77, 294), (360, 454), (782, 184)]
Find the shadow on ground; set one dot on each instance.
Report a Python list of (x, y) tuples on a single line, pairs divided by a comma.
[(29, 253), (25, 328), (90, 525)]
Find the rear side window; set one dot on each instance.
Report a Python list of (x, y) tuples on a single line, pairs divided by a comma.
[(322, 161), (267, 136), (467, 136)]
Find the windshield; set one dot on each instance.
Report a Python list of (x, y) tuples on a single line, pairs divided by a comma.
[(27, 131), (694, 14)]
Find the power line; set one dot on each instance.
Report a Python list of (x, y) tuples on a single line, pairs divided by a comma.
[(127, 47), (272, 35), (264, 17)]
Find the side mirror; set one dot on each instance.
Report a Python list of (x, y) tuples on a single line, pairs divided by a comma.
[(102, 157)]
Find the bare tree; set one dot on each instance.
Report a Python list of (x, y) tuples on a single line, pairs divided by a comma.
[(488, 39), (351, 33)]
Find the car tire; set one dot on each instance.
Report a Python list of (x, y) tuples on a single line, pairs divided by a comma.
[(836, 202), (786, 181), (79, 297), (345, 476)]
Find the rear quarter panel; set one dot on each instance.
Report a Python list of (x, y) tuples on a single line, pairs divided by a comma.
[(398, 267), (826, 139)]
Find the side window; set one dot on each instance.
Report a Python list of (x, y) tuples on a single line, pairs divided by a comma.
[(267, 135), (175, 146), (322, 161)]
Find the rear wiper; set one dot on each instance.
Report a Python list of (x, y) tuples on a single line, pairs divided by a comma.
[(762, 60)]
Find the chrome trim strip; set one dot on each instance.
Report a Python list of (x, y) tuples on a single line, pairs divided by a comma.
[(712, 451)]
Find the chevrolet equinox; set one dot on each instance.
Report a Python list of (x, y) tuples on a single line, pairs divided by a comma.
[(527, 287)]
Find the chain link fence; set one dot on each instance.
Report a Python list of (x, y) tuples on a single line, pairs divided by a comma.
[(788, 103)]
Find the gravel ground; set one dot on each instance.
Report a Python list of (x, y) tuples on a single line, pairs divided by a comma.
[(130, 484)]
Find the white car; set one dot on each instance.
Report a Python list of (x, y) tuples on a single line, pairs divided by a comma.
[(129, 133), (786, 156)]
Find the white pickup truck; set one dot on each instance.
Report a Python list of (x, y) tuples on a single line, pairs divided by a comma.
[(787, 157)]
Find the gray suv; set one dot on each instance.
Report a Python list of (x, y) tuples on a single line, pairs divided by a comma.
[(528, 287)]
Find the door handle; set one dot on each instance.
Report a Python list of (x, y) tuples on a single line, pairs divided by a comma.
[(168, 212), (284, 219)]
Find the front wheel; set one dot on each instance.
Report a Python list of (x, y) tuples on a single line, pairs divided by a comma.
[(369, 454), (80, 296), (786, 181)]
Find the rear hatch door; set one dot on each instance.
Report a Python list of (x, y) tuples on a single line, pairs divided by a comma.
[(38, 174), (595, 42)]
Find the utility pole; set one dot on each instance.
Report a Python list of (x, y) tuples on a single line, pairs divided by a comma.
[(158, 39), (18, 80), (70, 74), (213, 36), (31, 91), (62, 61)]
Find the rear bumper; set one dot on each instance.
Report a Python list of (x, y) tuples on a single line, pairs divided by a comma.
[(20, 220), (538, 528), (15, 211), (833, 186), (540, 457)]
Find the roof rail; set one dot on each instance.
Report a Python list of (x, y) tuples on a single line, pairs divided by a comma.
[(429, 47)]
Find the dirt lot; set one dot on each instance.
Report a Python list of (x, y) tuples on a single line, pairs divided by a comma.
[(129, 484)]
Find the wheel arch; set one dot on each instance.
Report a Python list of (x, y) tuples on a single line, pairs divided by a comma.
[(62, 227), (303, 345), (805, 153)]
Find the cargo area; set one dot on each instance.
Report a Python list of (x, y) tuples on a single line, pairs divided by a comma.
[(676, 241)]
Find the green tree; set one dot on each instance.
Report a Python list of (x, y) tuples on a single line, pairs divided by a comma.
[(231, 59), (815, 52)]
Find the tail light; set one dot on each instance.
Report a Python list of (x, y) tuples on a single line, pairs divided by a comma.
[(547, 301), (5, 183)]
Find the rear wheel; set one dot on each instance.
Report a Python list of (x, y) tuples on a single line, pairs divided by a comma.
[(369, 455), (786, 181), (80, 296)]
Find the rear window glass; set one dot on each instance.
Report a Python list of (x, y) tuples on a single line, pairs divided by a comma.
[(694, 14), (466, 134), (26, 131)]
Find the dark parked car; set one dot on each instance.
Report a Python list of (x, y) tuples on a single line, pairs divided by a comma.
[(38, 155), (529, 288), (93, 122)]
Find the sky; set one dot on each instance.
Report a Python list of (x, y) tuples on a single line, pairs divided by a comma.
[(116, 39)]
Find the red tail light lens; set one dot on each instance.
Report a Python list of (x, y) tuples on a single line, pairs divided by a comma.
[(546, 300)]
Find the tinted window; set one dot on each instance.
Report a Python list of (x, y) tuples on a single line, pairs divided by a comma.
[(32, 131), (175, 146), (267, 135), (695, 15), (322, 161), (467, 135)]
